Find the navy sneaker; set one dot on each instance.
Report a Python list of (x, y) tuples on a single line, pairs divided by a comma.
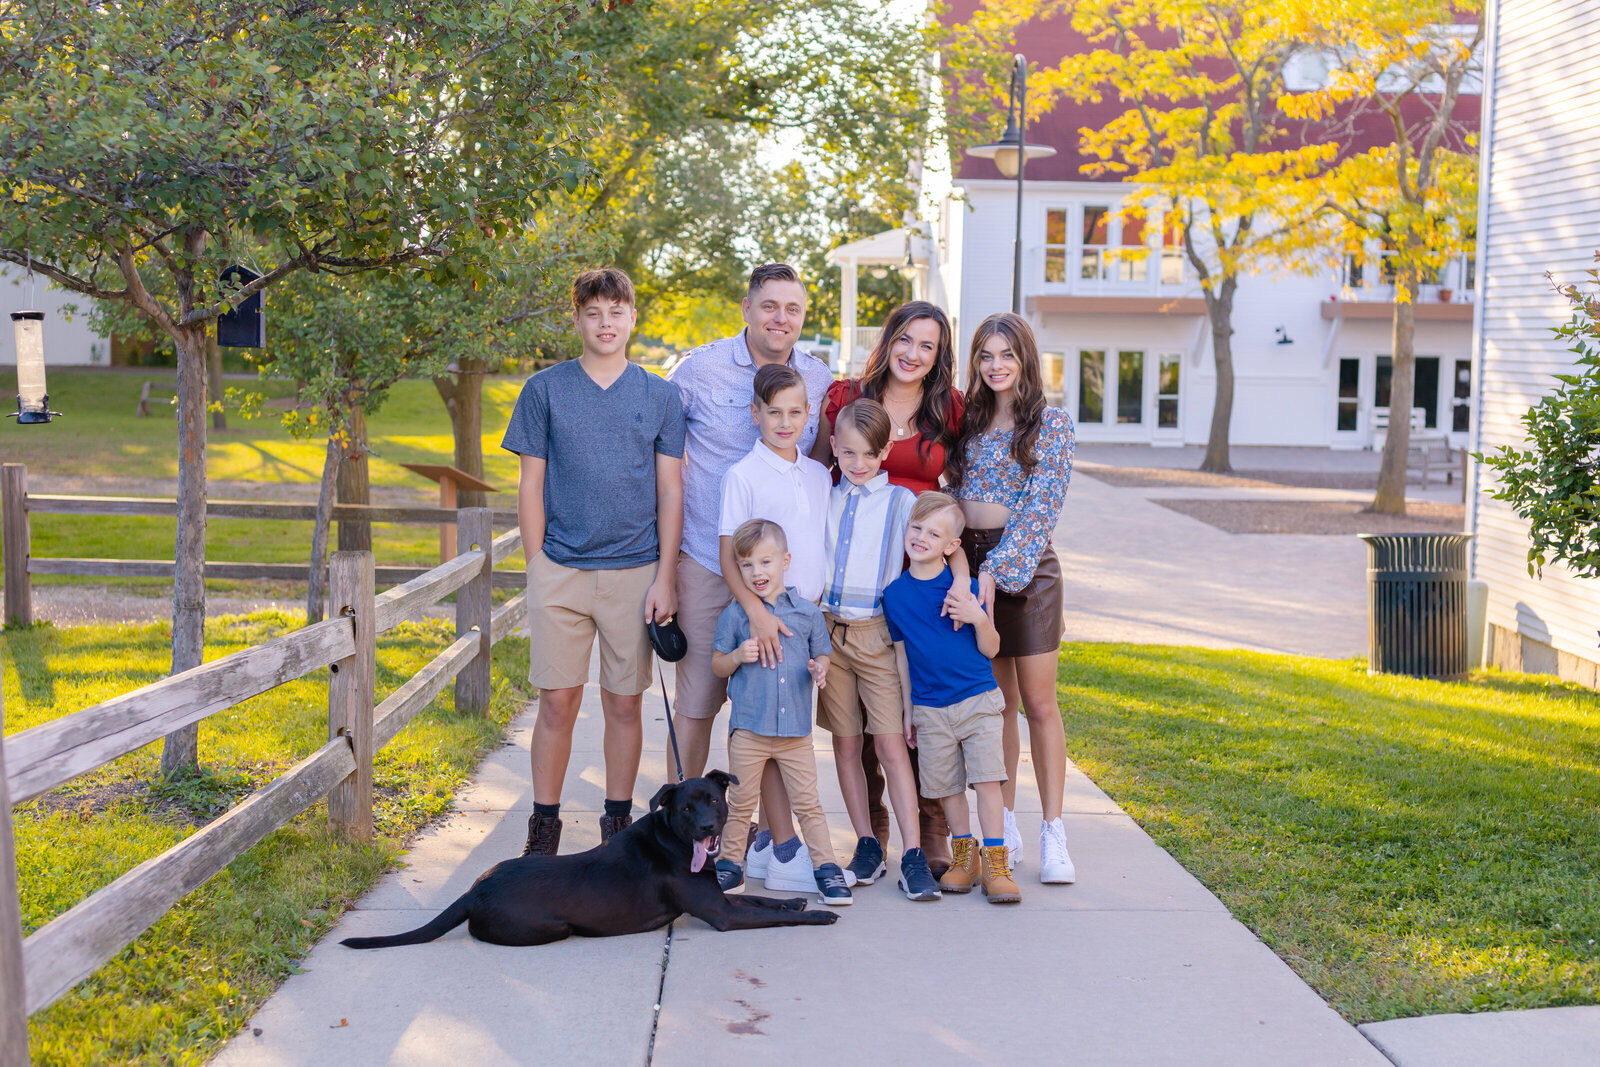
[(729, 875), (916, 879), (867, 864), (832, 887)]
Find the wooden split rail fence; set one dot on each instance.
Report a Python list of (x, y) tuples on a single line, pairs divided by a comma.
[(37, 971), (19, 563)]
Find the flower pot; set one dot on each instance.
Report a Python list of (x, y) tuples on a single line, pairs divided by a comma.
[(1445, 295)]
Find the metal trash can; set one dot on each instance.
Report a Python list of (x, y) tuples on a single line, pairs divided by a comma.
[(1417, 604)]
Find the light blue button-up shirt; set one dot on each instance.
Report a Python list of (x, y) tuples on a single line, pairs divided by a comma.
[(775, 701), (717, 384)]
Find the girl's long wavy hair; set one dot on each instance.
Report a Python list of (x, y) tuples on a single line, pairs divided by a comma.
[(933, 412), (1027, 403)]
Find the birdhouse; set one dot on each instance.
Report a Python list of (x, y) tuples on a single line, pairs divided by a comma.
[(245, 325)]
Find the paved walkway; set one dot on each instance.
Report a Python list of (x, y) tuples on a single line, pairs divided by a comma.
[(1135, 964)]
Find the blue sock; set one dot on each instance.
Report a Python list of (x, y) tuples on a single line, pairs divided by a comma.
[(990, 842), (963, 837), (784, 851), (763, 840), (618, 808)]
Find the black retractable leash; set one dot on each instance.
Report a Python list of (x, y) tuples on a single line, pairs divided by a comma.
[(670, 644)]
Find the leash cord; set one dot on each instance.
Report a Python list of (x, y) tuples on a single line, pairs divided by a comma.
[(671, 733)]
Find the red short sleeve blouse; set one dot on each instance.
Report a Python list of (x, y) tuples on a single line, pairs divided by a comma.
[(907, 464)]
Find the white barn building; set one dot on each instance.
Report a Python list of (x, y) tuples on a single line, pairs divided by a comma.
[(1539, 212)]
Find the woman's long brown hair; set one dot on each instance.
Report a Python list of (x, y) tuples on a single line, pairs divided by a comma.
[(1027, 401), (933, 412)]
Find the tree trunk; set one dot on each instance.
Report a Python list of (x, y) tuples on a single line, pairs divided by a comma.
[(219, 419), (1391, 496), (180, 752), (463, 399), (354, 484), (317, 588), (1219, 308)]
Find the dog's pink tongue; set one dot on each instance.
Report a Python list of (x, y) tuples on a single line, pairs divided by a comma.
[(699, 860)]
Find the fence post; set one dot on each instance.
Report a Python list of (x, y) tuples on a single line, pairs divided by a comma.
[(350, 691), (13, 996), (14, 531), (474, 606)]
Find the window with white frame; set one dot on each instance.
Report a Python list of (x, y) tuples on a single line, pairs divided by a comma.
[(1055, 245)]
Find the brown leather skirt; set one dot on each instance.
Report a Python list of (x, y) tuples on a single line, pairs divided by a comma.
[(1030, 621)]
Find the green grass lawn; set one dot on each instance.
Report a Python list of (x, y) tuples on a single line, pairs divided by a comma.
[(100, 437), (188, 984), (1408, 847)]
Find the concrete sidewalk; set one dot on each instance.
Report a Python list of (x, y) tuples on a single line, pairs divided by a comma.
[(1135, 964)]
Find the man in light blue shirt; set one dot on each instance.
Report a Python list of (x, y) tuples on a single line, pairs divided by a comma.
[(716, 384)]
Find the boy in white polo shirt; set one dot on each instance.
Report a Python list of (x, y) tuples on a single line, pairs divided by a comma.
[(778, 482)]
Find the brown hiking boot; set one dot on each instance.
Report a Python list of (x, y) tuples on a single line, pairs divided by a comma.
[(963, 872), (611, 825), (998, 885), (544, 835), (938, 851)]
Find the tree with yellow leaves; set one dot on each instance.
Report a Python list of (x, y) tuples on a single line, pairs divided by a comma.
[(1405, 62), (1203, 132)]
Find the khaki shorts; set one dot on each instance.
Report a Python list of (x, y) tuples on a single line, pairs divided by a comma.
[(568, 608), (862, 677), (960, 745), (699, 693)]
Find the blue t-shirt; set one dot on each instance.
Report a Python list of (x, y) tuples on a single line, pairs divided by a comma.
[(599, 447), (946, 666)]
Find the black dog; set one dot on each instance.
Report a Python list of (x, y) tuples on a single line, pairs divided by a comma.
[(646, 876)]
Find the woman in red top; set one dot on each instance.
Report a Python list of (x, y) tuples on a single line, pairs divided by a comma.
[(911, 372)]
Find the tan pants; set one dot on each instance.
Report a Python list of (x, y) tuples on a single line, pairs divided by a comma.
[(748, 754), (698, 692)]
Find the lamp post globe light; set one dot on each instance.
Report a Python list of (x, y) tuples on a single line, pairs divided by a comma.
[(1011, 154), (33, 401)]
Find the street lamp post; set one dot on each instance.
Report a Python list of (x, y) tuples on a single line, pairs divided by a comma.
[(1011, 154)]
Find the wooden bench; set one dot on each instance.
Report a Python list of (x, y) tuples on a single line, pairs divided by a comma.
[(145, 394), (1430, 453)]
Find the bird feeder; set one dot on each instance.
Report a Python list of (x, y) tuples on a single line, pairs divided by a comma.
[(33, 400)]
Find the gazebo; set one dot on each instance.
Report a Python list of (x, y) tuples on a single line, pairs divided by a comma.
[(902, 249)]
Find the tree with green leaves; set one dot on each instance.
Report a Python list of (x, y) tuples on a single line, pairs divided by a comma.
[(1402, 63), (716, 105), (146, 147), (1554, 483)]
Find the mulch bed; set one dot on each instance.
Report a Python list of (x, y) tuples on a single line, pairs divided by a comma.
[(1318, 517), (1162, 477)]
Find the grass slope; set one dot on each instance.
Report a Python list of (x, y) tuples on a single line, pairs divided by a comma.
[(1408, 847), (190, 982)]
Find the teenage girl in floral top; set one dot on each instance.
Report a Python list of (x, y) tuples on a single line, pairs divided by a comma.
[(1010, 469)]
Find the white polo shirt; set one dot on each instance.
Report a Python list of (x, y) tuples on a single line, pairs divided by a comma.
[(764, 485)]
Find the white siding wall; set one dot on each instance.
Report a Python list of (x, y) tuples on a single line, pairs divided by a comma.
[(1283, 394), (1541, 213)]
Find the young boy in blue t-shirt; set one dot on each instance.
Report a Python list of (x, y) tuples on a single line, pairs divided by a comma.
[(953, 707)]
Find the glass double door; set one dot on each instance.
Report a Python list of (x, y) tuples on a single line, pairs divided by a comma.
[(1129, 390)]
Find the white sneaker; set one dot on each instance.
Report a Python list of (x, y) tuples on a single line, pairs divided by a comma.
[(795, 876), (1055, 865), (1013, 839), (759, 855)]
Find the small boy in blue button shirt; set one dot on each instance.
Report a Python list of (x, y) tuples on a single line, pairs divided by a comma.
[(952, 704), (771, 718)]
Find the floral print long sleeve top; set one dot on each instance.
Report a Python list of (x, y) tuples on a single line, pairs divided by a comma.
[(994, 476)]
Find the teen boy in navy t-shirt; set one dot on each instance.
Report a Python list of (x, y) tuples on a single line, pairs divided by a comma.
[(952, 705)]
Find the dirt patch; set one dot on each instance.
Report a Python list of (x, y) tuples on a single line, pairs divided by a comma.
[(1162, 478), (1317, 517)]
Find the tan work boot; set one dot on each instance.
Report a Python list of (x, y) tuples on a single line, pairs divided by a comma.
[(998, 885), (963, 872)]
